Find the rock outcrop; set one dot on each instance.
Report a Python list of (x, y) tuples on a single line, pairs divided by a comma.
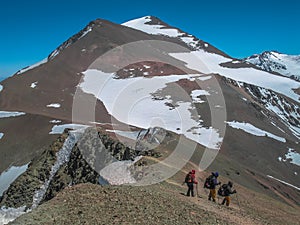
[(65, 164)]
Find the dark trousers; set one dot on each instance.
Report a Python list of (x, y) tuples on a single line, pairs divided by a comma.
[(190, 189)]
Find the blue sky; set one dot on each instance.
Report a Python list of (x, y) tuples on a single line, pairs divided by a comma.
[(30, 30)]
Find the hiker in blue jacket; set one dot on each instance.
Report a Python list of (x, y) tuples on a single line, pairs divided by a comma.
[(212, 186)]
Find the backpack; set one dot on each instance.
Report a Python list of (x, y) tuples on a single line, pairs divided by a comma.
[(208, 182), (188, 178), (222, 190)]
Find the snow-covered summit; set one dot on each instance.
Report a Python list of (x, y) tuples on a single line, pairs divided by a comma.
[(272, 61), (153, 25)]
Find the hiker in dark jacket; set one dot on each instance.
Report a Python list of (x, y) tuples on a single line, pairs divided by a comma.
[(190, 181), (212, 188), (228, 191)]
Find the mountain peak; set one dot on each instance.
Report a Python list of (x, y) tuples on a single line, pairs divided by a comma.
[(155, 26), (274, 61), (147, 22), (153, 20)]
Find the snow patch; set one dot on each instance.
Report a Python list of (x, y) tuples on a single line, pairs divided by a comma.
[(55, 121), (294, 156), (55, 53), (33, 66), (148, 112), (249, 128), (1, 87), (204, 78), (34, 84), (1, 135), (9, 176), (54, 105), (62, 157), (10, 214), (281, 181), (118, 173), (59, 129), (274, 124), (195, 95), (86, 32), (6, 114)]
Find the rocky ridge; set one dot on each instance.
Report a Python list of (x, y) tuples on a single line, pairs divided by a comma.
[(87, 156)]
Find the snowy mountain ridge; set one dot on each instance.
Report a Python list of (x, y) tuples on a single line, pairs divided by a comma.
[(272, 61), (153, 25)]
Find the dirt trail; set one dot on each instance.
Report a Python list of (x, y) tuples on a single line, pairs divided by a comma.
[(233, 214), (247, 206)]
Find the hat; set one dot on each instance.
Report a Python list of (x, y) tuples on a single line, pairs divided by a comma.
[(193, 171), (216, 174)]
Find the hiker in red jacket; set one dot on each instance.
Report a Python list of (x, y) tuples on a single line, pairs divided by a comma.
[(190, 180)]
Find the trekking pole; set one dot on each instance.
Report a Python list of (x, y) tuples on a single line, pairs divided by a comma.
[(238, 201), (197, 190), (205, 192)]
